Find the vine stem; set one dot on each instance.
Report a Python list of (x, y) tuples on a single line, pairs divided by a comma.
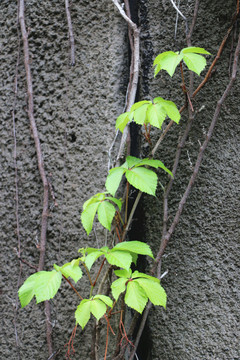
[(70, 34), (134, 72), (40, 163), (72, 286), (189, 187), (166, 239)]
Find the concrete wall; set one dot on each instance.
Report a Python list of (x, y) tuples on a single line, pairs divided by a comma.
[(75, 110)]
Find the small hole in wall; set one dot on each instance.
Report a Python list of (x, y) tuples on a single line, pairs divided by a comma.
[(72, 137)]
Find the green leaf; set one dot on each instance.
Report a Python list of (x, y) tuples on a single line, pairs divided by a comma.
[(118, 286), (138, 274), (192, 49), (95, 198), (154, 291), (47, 285), (43, 284), (140, 114), (156, 164), (168, 61), (119, 258), (106, 212), (135, 296), (116, 201), (139, 104), (113, 179), (156, 115), (88, 215), (27, 290), (142, 179), (137, 247), (72, 269), (105, 299), (98, 308), (122, 120), (82, 314), (123, 273), (92, 257), (132, 161), (195, 62), (170, 108)]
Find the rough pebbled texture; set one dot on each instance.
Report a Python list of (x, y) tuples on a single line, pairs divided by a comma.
[(75, 110), (202, 315)]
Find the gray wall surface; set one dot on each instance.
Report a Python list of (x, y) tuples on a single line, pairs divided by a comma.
[(75, 110)]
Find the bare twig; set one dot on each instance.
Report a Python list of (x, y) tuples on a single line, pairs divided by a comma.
[(70, 34), (16, 189), (40, 162), (73, 287), (134, 71), (166, 239), (235, 17), (180, 13)]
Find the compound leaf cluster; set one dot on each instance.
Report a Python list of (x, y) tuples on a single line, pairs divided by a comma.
[(121, 255), (137, 175), (97, 306), (103, 205), (149, 112), (139, 289), (169, 60)]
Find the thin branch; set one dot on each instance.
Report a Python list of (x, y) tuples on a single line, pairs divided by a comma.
[(200, 155), (72, 286), (16, 190), (40, 161), (235, 17), (134, 71), (70, 34), (180, 13)]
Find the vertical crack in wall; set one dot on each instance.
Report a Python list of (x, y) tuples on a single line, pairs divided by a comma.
[(137, 232)]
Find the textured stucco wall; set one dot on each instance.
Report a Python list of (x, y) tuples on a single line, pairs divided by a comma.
[(202, 316), (75, 110)]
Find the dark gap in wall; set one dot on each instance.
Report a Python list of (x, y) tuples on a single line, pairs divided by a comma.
[(137, 228)]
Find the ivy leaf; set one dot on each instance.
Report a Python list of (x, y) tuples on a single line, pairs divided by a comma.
[(113, 179), (154, 163), (106, 212), (156, 115), (119, 258), (106, 299), (82, 314), (124, 273), (101, 204), (168, 61), (138, 274), (88, 215), (27, 290), (195, 62), (169, 107), (47, 285), (154, 291), (139, 104), (72, 269), (92, 257), (135, 296), (118, 286), (137, 247), (116, 201), (96, 305), (122, 120), (142, 179), (43, 284), (140, 114), (98, 308)]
